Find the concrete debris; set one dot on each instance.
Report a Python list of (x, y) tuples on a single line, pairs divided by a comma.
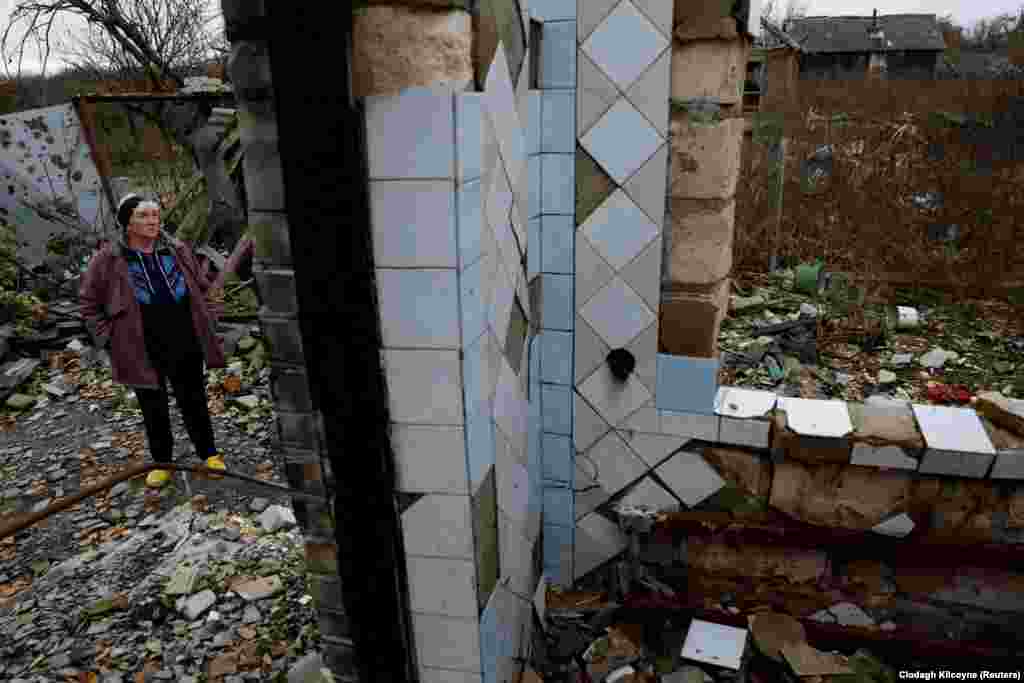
[(849, 614), (276, 517), (248, 402), (901, 360), (1007, 413), (195, 606), (258, 589), (937, 357)]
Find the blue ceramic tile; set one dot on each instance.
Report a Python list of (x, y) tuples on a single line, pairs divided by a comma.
[(556, 302), (418, 308), (556, 357), (557, 241), (687, 384), (557, 552), (533, 192), (532, 247), (468, 135), (558, 116), (558, 506), (470, 208), (533, 124), (556, 402), (558, 55), (553, 10), (474, 308), (558, 184), (479, 421), (411, 135), (556, 451)]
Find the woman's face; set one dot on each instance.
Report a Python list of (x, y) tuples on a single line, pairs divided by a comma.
[(145, 222)]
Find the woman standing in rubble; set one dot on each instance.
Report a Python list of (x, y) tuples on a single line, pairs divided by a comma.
[(145, 298)]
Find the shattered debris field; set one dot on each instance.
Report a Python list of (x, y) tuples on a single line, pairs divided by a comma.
[(849, 348)]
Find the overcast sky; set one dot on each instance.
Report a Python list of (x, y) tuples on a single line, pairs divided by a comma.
[(965, 13)]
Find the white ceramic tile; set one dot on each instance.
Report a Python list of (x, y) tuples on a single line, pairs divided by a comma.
[(430, 459), (690, 425), (953, 429), (468, 135), (898, 526), (651, 495), (490, 153), (650, 93), (430, 675), (558, 55), (442, 586), (744, 403), (588, 426), (413, 223), (811, 417), (418, 308), (518, 218), (499, 202), (411, 135), (589, 352), (557, 235), (892, 457), (439, 526), (589, 494), (514, 556), (558, 128), (625, 26), (739, 432), (447, 643), (690, 477), (474, 304), (612, 399), (621, 141), (592, 271), (654, 448), (591, 13), (647, 186), (660, 13), (615, 464), (513, 487), (509, 406), (643, 274), (540, 599), (595, 93), (617, 313), (619, 230), (597, 541), (558, 184), (424, 386), (502, 297), (645, 419), (533, 122), (645, 350), (715, 644), (469, 198), (500, 104)]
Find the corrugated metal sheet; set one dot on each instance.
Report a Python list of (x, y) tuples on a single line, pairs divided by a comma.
[(50, 179), (850, 34)]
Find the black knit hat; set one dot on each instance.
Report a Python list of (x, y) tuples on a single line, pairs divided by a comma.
[(126, 208)]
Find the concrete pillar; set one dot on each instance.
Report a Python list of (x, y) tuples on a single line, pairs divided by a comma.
[(709, 59)]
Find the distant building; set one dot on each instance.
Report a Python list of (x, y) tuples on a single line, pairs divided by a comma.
[(895, 46)]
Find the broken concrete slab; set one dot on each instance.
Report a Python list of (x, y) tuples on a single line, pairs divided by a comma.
[(833, 495), (937, 357), (899, 526), (715, 644), (196, 605), (957, 442), (258, 589), (810, 449), (1004, 412)]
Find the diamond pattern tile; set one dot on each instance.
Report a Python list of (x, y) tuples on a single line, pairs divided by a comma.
[(649, 494), (649, 94), (645, 349), (597, 541), (659, 12), (625, 26), (654, 448), (595, 93), (612, 399), (590, 494), (621, 141), (647, 186), (590, 350), (645, 420), (616, 466), (593, 185), (643, 274), (592, 271), (500, 104), (692, 479), (591, 13), (588, 426), (619, 230), (617, 313)]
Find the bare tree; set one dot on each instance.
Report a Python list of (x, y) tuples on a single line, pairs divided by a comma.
[(164, 41)]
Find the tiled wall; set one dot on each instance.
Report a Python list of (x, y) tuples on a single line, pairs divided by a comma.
[(453, 187)]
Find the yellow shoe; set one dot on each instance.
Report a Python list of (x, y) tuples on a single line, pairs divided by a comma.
[(158, 478), (216, 462)]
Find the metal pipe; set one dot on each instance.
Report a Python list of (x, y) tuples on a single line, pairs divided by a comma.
[(13, 527)]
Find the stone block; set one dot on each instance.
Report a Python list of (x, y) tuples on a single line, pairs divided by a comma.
[(810, 449), (1009, 465), (705, 157), (690, 321), (712, 69), (396, 47), (277, 289), (747, 432), (264, 177), (291, 390), (271, 237), (700, 240), (956, 463), (297, 429), (249, 66), (285, 339)]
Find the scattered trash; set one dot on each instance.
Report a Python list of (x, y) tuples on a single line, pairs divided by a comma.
[(937, 357), (715, 644), (905, 318), (943, 393)]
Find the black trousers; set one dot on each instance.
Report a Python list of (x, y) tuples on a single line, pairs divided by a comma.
[(188, 381)]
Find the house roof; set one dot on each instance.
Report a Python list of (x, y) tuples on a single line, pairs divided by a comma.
[(850, 34)]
